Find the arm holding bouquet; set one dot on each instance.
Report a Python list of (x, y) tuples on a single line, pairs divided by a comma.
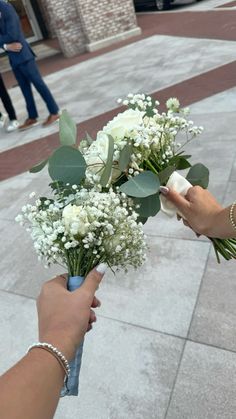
[(36, 380), (203, 213)]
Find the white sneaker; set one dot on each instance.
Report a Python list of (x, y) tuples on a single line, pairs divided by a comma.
[(3, 119), (12, 126)]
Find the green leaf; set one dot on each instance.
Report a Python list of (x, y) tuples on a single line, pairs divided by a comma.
[(106, 174), (165, 174), (142, 185), (198, 175), (125, 157), (182, 163), (67, 129), (67, 165), (149, 206), (38, 167)]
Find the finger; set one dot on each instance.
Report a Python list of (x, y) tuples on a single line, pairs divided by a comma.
[(93, 279), (178, 200), (96, 302), (186, 223), (92, 317), (89, 328), (60, 280)]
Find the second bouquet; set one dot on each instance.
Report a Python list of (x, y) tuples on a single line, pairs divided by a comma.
[(80, 228)]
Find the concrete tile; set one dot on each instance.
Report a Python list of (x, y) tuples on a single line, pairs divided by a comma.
[(127, 372), (217, 104), (214, 320), (14, 192), (21, 272), (206, 385), (119, 72), (18, 328), (233, 173), (230, 193), (160, 296)]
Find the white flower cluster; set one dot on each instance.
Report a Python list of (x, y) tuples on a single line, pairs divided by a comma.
[(149, 132), (85, 228)]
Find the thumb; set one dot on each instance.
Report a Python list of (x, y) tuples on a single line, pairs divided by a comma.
[(181, 203), (93, 279)]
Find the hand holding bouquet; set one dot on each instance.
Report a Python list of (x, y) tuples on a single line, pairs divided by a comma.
[(144, 148), (106, 187)]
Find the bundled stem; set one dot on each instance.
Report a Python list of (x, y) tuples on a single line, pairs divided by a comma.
[(224, 247)]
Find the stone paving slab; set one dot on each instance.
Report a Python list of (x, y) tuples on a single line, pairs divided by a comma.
[(127, 372), (214, 320), (206, 384), (85, 92), (162, 294)]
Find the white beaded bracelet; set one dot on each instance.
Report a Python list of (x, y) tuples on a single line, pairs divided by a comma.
[(56, 353), (231, 215)]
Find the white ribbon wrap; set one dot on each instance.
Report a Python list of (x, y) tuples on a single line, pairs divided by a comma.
[(179, 184)]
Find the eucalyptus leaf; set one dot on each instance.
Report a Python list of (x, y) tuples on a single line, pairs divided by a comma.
[(149, 206), (165, 174), (67, 165), (106, 174), (142, 185), (125, 157), (38, 167), (182, 163), (67, 129), (198, 175)]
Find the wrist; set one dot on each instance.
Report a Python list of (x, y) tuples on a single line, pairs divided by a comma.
[(62, 343), (5, 47), (221, 226), (46, 360)]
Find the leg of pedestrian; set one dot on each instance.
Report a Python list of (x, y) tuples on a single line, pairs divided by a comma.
[(31, 71), (13, 124), (26, 89)]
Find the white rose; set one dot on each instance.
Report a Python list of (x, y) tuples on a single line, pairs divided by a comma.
[(96, 157), (75, 220), (97, 153), (123, 123)]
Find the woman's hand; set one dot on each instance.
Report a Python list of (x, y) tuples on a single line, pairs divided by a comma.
[(64, 317), (200, 210)]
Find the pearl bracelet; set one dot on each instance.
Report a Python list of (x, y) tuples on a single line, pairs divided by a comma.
[(231, 215), (56, 353)]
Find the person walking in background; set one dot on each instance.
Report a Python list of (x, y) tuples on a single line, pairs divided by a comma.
[(24, 67), (12, 124)]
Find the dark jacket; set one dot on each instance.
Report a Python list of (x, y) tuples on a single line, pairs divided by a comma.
[(10, 31)]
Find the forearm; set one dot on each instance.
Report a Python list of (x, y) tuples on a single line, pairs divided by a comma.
[(32, 387), (223, 227)]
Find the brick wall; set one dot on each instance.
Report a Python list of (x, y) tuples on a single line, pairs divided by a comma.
[(106, 18), (82, 25)]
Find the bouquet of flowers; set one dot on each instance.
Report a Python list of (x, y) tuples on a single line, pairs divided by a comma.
[(105, 189), (141, 149), (81, 225)]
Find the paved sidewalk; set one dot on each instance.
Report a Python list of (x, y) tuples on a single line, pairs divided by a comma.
[(164, 346)]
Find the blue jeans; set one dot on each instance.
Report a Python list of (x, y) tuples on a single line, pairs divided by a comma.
[(27, 74)]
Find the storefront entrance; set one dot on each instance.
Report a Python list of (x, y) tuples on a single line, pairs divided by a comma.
[(28, 20)]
